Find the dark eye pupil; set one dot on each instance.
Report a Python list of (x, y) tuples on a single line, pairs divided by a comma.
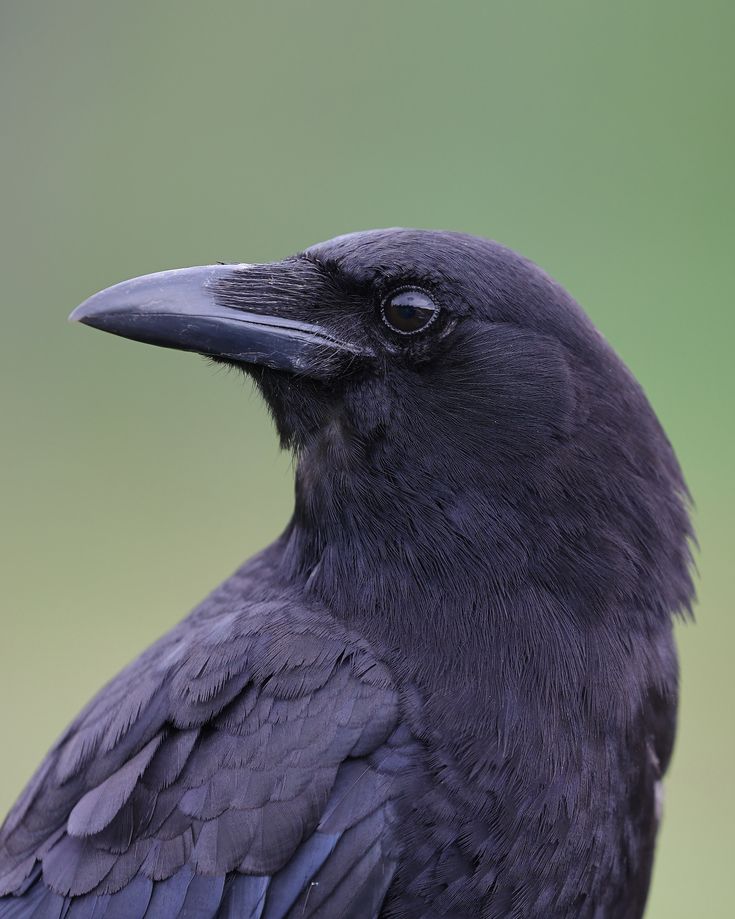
[(405, 312), (409, 311)]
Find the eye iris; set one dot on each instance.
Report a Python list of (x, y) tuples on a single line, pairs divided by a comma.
[(409, 311)]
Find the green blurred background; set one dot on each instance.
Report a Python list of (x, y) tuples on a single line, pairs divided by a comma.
[(595, 137)]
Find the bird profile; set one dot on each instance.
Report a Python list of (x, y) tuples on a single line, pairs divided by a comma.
[(449, 688)]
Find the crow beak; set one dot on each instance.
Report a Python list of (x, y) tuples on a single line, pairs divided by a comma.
[(186, 309)]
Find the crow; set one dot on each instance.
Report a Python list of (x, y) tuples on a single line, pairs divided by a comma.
[(449, 688)]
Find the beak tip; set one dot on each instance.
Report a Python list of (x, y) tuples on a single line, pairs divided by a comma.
[(85, 310), (92, 311)]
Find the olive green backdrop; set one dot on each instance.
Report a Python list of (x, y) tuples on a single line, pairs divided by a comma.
[(595, 137)]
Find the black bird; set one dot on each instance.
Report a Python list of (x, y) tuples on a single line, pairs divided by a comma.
[(449, 688)]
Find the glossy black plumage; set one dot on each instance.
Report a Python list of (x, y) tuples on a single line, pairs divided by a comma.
[(449, 689)]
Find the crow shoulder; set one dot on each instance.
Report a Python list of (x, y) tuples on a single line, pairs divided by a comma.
[(245, 765)]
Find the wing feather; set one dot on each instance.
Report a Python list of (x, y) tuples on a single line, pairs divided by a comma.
[(245, 766)]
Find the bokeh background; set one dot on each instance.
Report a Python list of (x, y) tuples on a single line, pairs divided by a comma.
[(595, 137)]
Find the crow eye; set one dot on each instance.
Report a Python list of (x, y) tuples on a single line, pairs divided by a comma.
[(409, 310)]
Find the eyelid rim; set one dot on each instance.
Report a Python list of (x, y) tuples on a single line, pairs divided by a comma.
[(401, 289)]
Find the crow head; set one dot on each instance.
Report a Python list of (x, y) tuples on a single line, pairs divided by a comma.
[(406, 338), (459, 422)]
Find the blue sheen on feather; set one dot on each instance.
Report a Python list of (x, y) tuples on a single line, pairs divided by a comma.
[(90, 906), (202, 898), (132, 901), (50, 907), (293, 880), (244, 897), (23, 907), (168, 896)]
